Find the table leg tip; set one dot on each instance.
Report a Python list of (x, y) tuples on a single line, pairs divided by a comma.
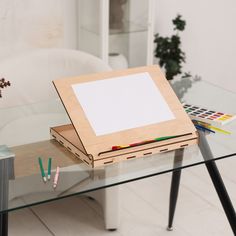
[(169, 228)]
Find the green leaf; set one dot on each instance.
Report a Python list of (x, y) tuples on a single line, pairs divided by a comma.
[(179, 23), (168, 51)]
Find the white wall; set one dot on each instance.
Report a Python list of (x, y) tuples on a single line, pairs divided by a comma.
[(30, 24), (209, 39)]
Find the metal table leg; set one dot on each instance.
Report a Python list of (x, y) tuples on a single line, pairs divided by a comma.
[(3, 198), (217, 181), (6, 173), (4, 224), (174, 189)]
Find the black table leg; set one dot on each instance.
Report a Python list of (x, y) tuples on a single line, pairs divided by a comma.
[(6, 173), (174, 189), (4, 224), (217, 181)]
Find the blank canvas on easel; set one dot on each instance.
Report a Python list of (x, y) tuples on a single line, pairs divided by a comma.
[(122, 103)]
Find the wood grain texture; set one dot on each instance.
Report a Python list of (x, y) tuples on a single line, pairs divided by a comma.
[(92, 143), (69, 140)]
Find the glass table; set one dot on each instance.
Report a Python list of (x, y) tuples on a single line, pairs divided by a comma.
[(25, 132)]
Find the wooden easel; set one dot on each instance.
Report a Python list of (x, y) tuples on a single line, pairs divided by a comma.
[(96, 150)]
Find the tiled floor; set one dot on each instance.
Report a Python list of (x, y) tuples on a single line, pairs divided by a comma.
[(144, 209)]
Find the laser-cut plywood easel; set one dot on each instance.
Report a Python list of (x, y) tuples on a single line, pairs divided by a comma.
[(93, 146)]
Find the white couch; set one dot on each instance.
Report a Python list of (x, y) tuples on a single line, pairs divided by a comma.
[(31, 75)]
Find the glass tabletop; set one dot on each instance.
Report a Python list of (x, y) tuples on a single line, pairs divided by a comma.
[(25, 130)]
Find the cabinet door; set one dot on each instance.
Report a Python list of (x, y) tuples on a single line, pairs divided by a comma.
[(130, 28), (91, 24), (117, 27)]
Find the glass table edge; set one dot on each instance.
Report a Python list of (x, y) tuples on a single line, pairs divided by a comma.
[(115, 184)]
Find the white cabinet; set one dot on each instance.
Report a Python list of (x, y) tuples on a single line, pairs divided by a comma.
[(117, 27)]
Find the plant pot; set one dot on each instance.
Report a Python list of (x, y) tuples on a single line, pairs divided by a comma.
[(118, 61)]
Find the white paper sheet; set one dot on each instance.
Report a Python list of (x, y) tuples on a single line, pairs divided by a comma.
[(121, 103)]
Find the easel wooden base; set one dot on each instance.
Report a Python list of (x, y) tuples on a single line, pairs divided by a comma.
[(67, 137)]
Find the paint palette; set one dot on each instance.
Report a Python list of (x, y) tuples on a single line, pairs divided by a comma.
[(208, 116)]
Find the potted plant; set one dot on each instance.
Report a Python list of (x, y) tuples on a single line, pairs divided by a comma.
[(168, 50), (171, 57), (3, 84)]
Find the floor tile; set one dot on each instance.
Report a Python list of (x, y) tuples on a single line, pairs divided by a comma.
[(25, 223), (72, 217)]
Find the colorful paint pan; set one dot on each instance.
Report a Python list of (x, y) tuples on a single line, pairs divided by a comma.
[(215, 118)]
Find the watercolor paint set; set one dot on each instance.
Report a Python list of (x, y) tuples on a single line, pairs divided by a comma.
[(208, 116)]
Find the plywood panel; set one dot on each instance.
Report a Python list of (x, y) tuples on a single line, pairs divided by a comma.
[(94, 144)]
